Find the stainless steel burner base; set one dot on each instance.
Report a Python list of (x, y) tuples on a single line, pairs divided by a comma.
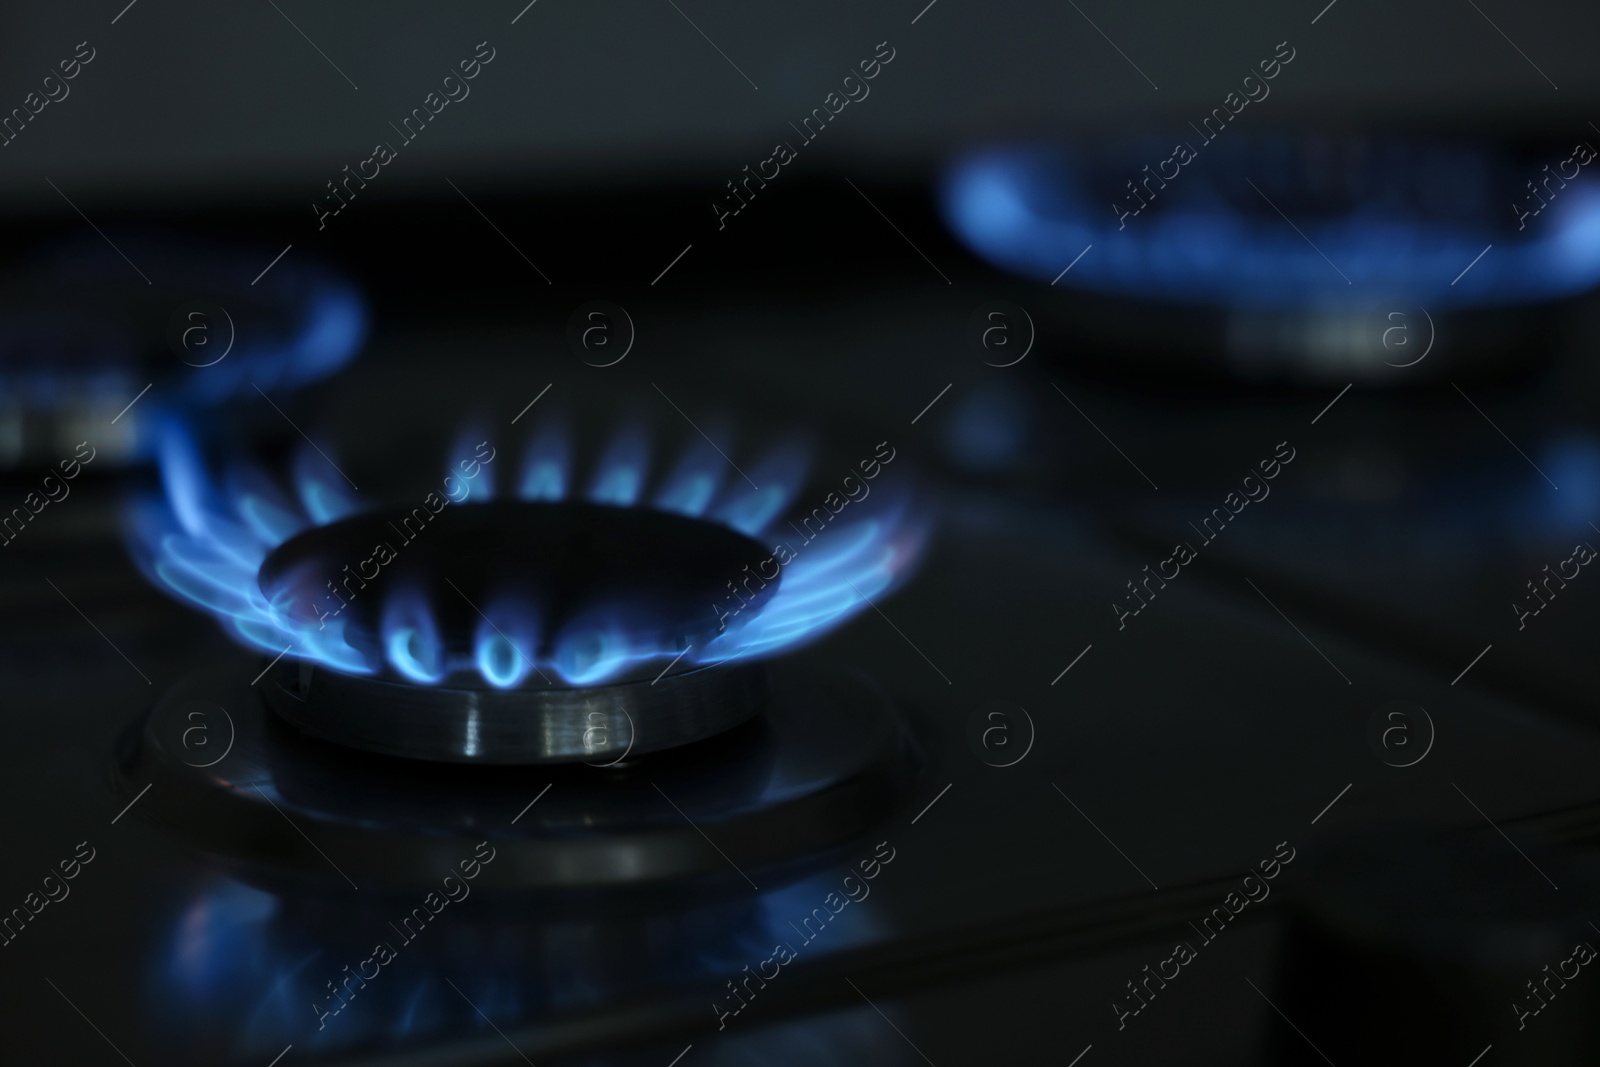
[(597, 724), (826, 759)]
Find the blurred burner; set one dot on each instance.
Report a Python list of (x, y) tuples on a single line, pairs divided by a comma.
[(82, 335), (1391, 220), (1314, 258)]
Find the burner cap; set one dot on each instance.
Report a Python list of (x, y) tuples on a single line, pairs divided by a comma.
[(652, 577)]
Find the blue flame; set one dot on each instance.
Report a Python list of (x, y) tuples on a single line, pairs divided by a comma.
[(237, 973), (205, 542), (1034, 210), (772, 485), (411, 639), (622, 470), (505, 643), (545, 465), (298, 323), (332, 327), (693, 484)]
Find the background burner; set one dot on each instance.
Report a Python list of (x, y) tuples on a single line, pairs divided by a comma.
[(1198, 273), (81, 336)]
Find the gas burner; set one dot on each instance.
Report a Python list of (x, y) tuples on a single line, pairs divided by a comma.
[(537, 629), (619, 637), (1193, 264), (1372, 219)]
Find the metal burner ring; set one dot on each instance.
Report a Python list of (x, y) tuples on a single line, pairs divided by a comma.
[(595, 724)]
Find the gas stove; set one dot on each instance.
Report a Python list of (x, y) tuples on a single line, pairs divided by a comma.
[(672, 852), (1040, 635)]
